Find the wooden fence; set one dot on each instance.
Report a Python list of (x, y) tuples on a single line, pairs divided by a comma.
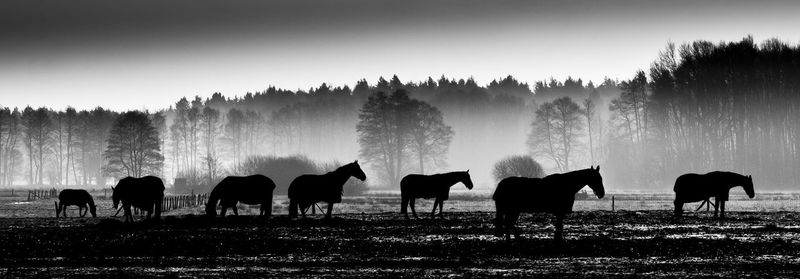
[(42, 194), (181, 201)]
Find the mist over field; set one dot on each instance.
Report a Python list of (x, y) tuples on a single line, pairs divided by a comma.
[(701, 106)]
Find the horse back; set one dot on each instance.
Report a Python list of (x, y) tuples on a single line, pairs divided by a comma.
[(423, 186), (141, 192), (77, 197), (247, 189), (525, 194)]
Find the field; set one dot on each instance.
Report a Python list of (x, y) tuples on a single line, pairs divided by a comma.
[(368, 238)]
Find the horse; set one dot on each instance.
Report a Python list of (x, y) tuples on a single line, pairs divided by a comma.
[(414, 186), (146, 193), (308, 189), (553, 194), (77, 197), (693, 187), (254, 189)]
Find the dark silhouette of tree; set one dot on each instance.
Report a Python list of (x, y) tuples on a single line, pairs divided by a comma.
[(37, 128), (209, 121), (430, 136), (556, 131), (234, 130), (391, 125), (133, 147), (9, 136)]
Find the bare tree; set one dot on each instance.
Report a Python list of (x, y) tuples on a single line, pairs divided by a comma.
[(133, 147)]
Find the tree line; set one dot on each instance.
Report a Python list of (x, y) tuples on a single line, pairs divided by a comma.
[(700, 106)]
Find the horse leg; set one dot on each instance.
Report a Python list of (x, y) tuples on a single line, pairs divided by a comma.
[(716, 209), (441, 211), (559, 224), (404, 206), (498, 223), (235, 210), (511, 226), (721, 205), (303, 209), (678, 208), (82, 211), (127, 214), (433, 212), (413, 208), (330, 210), (223, 210)]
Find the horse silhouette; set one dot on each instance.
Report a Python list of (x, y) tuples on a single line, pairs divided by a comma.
[(308, 189), (693, 187), (146, 193), (414, 186), (254, 189), (551, 194), (77, 197)]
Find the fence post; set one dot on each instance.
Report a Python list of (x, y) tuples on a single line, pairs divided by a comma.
[(612, 203)]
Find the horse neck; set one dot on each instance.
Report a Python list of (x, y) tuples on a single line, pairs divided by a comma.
[(738, 180), (575, 181), (341, 175), (452, 178)]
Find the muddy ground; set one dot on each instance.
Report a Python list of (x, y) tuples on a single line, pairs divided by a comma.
[(628, 244)]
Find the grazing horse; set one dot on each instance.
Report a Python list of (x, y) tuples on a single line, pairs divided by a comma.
[(77, 197), (693, 187), (414, 186), (551, 194), (308, 189), (146, 193), (254, 189)]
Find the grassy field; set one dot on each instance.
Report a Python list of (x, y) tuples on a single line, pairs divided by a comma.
[(368, 237)]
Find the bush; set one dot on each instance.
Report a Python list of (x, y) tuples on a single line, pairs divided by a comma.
[(282, 170), (517, 165)]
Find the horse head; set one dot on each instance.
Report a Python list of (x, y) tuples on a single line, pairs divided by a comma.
[(748, 187), (93, 210), (466, 179), (596, 182), (355, 171), (115, 195)]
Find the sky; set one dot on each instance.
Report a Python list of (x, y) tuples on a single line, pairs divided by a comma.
[(147, 54)]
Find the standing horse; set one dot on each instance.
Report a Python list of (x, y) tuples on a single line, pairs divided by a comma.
[(414, 186), (254, 189), (146, 193), (308, 189), (551, 194), (77, 197), (692, 187)]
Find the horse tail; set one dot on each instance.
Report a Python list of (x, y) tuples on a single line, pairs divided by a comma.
[(292, 208)]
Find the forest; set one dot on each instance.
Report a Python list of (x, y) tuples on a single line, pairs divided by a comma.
[(700, 106)]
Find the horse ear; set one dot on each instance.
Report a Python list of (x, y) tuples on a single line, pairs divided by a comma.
[(467, 170), (112, 188), (598, 168), (356, 161)]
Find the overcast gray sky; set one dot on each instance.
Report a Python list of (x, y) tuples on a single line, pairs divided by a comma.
[(147, 54)]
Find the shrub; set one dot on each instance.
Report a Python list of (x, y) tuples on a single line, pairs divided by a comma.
[(282, 170), (517, 165)]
